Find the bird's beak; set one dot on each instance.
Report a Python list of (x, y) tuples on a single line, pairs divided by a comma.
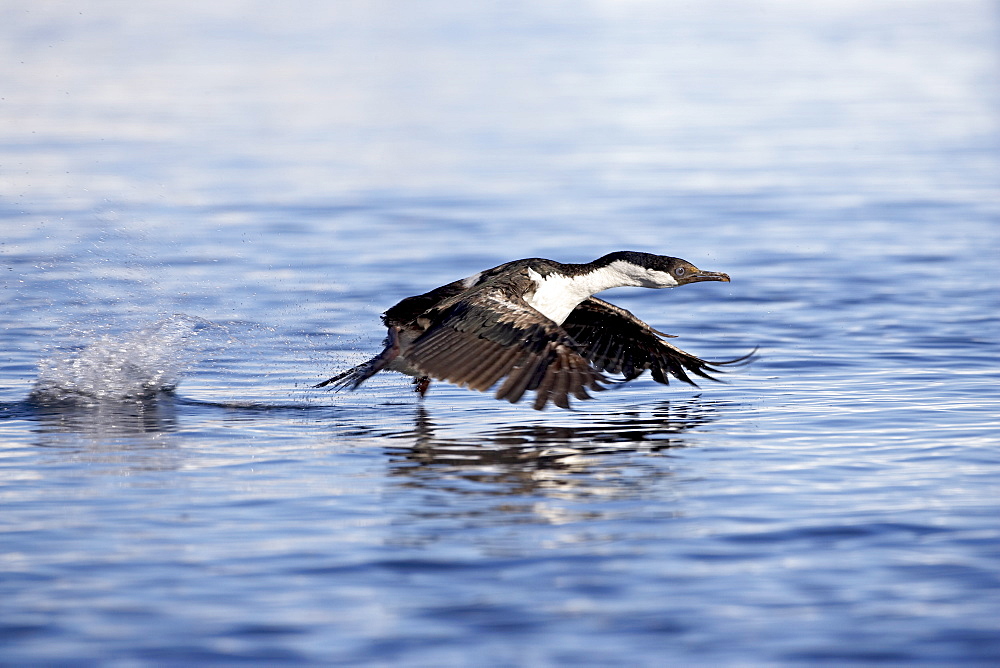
[(708, 276)]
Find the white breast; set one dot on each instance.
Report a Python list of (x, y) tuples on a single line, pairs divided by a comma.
[(557, 296)]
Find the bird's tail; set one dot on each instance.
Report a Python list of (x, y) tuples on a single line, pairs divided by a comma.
[(354, 376)]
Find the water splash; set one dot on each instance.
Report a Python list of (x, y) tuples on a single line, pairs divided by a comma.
[(134, 366)]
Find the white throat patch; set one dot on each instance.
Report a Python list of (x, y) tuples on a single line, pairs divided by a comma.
[(556, 296)]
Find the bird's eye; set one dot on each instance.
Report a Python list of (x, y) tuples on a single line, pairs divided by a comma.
[(679, 271)]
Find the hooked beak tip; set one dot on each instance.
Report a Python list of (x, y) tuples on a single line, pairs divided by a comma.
[(712, 276)]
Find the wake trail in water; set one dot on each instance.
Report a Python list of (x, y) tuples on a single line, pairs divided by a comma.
[(134, 366)]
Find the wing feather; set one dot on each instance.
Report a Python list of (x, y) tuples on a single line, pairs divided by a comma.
[(491, 372), (615, 341), (487, 334)]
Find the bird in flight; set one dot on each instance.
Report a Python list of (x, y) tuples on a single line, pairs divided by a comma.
[(535, 325)]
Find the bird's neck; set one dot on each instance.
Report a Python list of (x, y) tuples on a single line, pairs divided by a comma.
[(557, 294)]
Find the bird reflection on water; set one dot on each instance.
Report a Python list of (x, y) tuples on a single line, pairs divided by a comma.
[(529, 454), (581, 478)]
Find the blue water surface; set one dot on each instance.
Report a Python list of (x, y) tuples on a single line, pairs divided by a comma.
[(206, 206)]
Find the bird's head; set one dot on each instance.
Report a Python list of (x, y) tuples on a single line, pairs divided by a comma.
[(659, 271)]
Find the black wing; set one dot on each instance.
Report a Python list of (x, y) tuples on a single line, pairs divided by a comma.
[(614, 340), (407, 310), (487, 335)]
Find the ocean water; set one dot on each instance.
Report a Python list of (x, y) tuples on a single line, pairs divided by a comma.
[(204, 208)]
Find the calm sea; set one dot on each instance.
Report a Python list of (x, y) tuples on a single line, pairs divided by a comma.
[(204, 208)]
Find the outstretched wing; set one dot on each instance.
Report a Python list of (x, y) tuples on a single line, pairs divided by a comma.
[(487, 335), (614, 340)]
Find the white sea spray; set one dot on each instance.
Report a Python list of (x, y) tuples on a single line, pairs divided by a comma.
[(131, 366)]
